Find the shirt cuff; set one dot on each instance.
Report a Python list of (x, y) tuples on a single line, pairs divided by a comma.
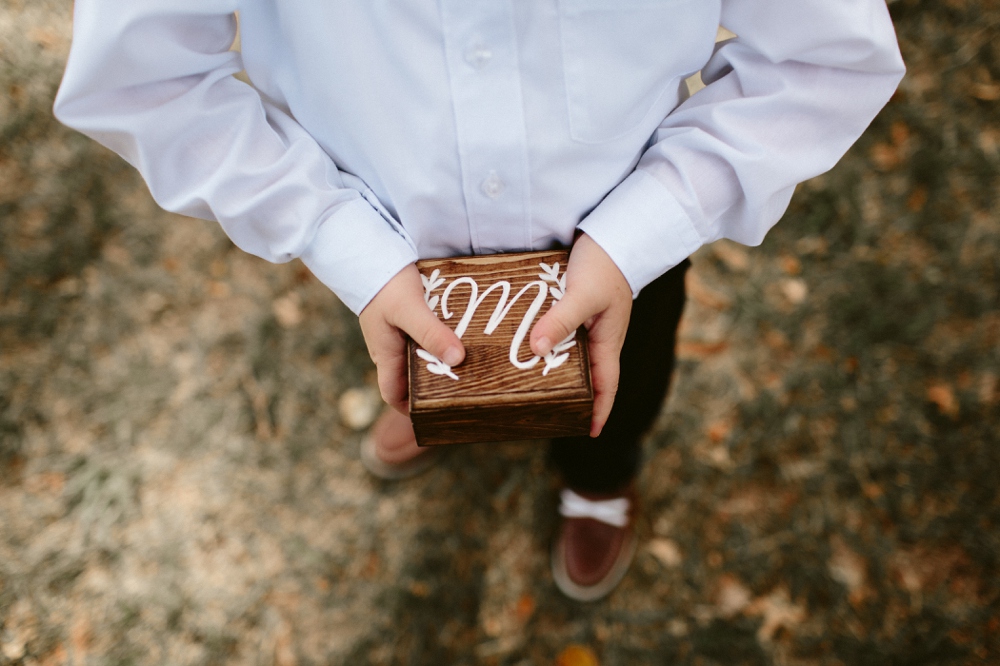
[(355, 253), (643, 229)]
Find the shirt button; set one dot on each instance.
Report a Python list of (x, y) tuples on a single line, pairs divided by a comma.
[(478, 56), (493, 186)]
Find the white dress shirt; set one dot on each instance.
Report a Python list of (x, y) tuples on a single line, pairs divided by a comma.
[(380, 131)]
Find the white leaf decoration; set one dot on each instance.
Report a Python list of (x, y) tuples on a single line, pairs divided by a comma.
[(567, 343), (549, 273), (554, 363), (558, 355), (434, 281), (430, 284), (555, 358), (435, 365)]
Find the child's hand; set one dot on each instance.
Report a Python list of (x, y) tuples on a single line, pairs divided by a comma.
[(598, 296), (396, 311)]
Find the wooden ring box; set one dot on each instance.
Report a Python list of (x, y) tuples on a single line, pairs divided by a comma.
[(502, 391)]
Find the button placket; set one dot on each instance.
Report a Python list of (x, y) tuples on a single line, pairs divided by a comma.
[(481, 48)]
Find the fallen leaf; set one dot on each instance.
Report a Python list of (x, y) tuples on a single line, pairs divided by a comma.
[(13, 649), (900, 133), (493, 626), (917, 199), (823, 352), (718, 456), (706, 295), (56, 657), (525, 607), (218, 289), (667, 552), (732, 255), (284, 651), (924, 570), (371, 567), (742, 503), (776, 340), (847, 568), (798, 470), (303, 275), (732, 596), (908, 572), (359, 407), (778, 612), (80, 637), (287, 311), (795, 290), (116, 254), (46, 482), (943, 396), (987, 92), (45, 37), (872, 490), (791, 265), (811, 245), (960, 636), (988, 388), (885, 157), (719, 430), (577, 655), (698, 349), (989, 142), (964, 381), (260, 402)]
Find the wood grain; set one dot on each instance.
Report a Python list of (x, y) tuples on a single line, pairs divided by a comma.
[(494, 423), (494, 400)]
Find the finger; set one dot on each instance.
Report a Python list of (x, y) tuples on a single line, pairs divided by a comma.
[(604, 373), (430, 333), (565, 317), (392, 382), (387, 348)]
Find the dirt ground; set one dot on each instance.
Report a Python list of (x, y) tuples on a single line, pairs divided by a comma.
[(178, 484)]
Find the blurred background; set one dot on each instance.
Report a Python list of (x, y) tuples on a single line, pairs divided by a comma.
[(179, 425)]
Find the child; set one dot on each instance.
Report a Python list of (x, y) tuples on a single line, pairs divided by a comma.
[(379, 132)]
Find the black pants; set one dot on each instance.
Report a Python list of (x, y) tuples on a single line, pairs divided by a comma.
[(608, 463)]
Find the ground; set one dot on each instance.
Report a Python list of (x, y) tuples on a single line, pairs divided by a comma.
[(179, 483)]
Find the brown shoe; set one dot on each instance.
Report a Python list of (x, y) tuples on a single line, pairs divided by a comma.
[(393, 434), (595, 543)]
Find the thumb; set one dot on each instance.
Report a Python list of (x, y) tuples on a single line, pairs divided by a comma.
[(431, 333), (565, 317)]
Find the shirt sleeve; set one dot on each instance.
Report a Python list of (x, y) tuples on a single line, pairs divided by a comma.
[(784, 101), (152, 80)]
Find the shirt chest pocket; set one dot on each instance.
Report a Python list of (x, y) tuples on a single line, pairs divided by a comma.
[(623, 59)]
